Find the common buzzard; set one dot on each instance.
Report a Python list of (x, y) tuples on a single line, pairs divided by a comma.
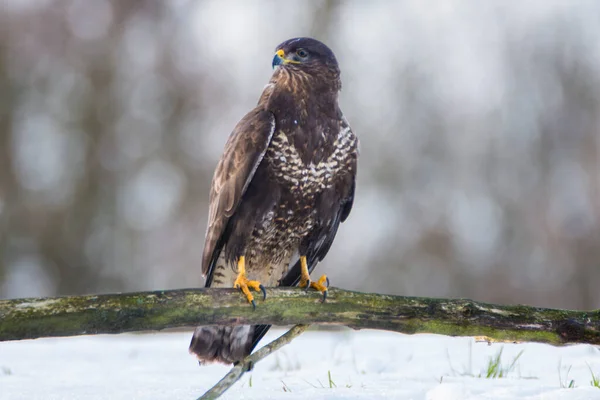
[(283, 185)]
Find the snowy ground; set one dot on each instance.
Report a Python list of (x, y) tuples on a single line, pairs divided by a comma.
[(363, 365)]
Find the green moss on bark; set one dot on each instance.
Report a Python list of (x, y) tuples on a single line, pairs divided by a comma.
[(116, 313)]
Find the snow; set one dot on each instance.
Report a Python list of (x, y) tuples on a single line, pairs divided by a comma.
[(362, 364)]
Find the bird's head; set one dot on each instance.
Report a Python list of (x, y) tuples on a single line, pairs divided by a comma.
[(305, 54)]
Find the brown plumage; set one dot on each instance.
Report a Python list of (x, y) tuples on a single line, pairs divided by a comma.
[(283, 185)]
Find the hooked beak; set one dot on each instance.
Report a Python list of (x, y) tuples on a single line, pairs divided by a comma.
[(277, 60), (280, 59)]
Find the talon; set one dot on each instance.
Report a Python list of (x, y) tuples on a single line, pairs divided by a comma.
[(264, 291), (308, 282), (320, 284), (244, 284), (305, 279)]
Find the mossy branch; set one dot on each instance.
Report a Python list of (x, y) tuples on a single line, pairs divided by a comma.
[(127, 312)]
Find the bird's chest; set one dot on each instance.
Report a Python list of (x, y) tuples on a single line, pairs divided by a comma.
[(282, 228), (308, 174)]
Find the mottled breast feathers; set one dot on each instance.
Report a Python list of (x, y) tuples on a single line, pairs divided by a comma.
[(313, 173)]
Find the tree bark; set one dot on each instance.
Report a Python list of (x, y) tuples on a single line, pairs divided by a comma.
[(128, 312)]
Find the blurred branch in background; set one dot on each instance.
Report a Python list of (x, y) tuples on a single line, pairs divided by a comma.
[(479, 172)]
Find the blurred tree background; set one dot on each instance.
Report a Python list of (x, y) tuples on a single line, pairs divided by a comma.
[(479, 123)]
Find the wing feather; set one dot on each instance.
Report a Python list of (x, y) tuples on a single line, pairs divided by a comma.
[(243, 153)]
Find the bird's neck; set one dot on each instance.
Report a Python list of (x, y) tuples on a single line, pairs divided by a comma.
[(299, 96), (306, 112)]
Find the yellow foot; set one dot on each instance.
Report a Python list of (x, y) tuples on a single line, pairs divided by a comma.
[(244, 284), (321, 285)]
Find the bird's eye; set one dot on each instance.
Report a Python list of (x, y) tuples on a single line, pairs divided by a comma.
[(301, 53)]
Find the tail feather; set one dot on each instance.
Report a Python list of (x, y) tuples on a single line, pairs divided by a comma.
[(223, 344)]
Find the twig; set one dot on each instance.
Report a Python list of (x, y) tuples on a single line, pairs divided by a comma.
[(117, 313), (248, 363)]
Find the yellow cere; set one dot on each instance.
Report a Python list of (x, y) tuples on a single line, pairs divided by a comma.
[(281, 54)]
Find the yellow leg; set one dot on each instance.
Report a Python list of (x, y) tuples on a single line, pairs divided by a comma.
[(305, 281), (244, 284)]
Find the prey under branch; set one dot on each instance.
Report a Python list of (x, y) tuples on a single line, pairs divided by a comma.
[(129, 312)]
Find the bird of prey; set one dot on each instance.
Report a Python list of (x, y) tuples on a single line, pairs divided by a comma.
[(283, 185)]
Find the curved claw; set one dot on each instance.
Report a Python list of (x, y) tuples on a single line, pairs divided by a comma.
[(264, 291), (327, 282), (324, 296), (308, 282), (253, 304)]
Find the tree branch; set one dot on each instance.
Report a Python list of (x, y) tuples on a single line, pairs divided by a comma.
[(127, 312), (239, 369)]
